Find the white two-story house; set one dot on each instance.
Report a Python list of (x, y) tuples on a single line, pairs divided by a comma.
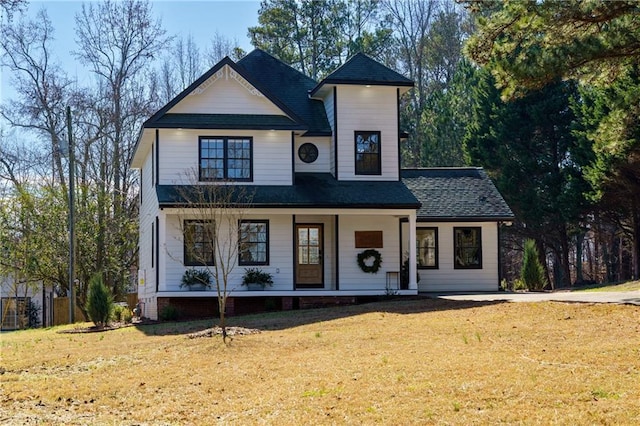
[(322, 164)]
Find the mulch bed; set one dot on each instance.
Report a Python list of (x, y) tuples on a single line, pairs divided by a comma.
[(216, 331)]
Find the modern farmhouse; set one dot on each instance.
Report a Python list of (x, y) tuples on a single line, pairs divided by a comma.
[(331, 215)]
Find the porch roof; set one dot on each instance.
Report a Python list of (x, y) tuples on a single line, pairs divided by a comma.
[(456, 194), (310, 190)]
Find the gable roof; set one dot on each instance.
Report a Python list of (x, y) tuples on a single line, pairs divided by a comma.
[(456, 194), (286, 87), (363, 70), (290, 87), (310, 190)]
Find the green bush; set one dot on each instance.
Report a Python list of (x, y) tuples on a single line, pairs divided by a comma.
[(99, 302), (122, 314), (168, 313), (532, 273)]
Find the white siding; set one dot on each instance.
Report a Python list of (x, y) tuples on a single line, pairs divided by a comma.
[(446, 277), (321, 165), (148, 212), (271, 155), (280, 253), (367, 109), (351, 276), (226, 96)]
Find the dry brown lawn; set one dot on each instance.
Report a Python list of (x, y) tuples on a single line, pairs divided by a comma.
[(399, 362)]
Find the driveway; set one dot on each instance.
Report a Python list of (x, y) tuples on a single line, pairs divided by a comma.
[(619, 297)]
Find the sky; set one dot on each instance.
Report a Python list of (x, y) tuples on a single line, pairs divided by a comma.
[(201, 19)]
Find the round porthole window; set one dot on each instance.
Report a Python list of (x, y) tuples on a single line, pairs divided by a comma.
[(308, 152)]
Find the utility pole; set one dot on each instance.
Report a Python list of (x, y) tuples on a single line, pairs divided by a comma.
[(72, 233)]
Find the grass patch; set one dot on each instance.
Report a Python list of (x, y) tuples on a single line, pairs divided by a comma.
[(626, 286), (394, 362)]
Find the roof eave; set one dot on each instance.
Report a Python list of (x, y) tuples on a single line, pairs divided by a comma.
[(303, 205), (465, 218), (226, 127), (335, 81)]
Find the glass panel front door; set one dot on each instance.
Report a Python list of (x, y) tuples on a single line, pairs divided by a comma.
[(309, 256)]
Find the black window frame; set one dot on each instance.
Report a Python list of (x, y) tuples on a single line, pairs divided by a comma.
[(435, 247), (378, 161), (226, 160), (188, 260), (264, 262), (456, 248)]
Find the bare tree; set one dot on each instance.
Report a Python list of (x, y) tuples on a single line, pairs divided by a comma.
[(181, 66), (9, 7), (118, 41), (43, 89), (221, 46), (210, 221)]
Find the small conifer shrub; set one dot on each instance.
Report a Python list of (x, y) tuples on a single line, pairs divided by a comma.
[(532, 273), (99, 302)]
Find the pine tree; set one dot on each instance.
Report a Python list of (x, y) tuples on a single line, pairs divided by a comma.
[(532, 273), (99, 302)]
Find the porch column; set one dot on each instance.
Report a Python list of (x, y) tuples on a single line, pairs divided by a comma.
[(413, 268)]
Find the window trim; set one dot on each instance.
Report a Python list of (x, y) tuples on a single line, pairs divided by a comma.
[(225, 170), (267, 242), (436, 247), (456, 265), (355, 153), (189, 262)]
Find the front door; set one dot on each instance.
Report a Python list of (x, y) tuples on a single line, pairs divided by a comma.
[(309, 265)]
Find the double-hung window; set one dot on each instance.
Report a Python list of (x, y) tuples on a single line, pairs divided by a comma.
[(225, 158), (254, 242), (367, 147), (427, 240), (199, 243), (467, 248)]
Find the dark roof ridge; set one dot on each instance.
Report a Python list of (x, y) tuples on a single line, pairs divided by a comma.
[(361, 69)]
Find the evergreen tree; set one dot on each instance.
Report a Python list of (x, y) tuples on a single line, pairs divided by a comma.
[(99, 302), (527, 146), (532, 273)]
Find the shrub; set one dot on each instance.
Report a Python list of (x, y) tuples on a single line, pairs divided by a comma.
[(168, 313), (99, 302), (532, 273), (122, 314)]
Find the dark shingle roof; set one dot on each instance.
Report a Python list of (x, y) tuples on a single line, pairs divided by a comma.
[(456, 194), (311, 190), (281, 84), (361, 69), (227, 121), (289, 86)]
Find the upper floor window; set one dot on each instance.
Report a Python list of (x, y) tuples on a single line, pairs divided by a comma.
[(199, 243), (226, 158), (368, 160), (427, 240), (254, 242), (467, 248)]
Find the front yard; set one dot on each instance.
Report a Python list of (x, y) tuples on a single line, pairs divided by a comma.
[(398, 362)]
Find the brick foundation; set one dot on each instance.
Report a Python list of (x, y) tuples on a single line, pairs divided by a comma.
[(287, 303), (207, 307)]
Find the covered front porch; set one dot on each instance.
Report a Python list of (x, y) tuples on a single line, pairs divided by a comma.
[(307, 251)]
